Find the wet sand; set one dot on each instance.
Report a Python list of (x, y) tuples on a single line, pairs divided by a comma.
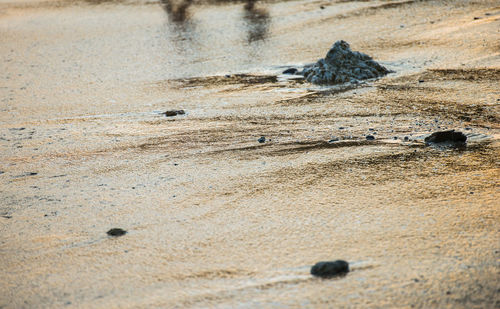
[(215, 218)]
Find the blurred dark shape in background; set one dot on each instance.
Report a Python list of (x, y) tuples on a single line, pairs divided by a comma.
[(177, 12), (257, 21)]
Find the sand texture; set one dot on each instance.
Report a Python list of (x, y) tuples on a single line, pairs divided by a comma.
[(216, 216)]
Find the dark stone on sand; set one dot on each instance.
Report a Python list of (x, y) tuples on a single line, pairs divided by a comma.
[(116, 232), (262, 139), (334, 139), (26, 174), (406, 138), (342, 65), (291, 71), (7, 217), (174, 113), (446, 137), (370, 137), (330, 269)]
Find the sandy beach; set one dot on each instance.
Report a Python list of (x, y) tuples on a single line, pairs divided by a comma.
[(216, 216)]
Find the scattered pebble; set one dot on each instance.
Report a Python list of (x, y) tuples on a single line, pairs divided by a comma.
[(291, 71), (116, 232), (334, 139), (26, 174), (370, 137), (330, 269), (174, 113), (262, 139)]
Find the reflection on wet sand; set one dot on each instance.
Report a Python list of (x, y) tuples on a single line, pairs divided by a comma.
[(177, 12), (257, 22)]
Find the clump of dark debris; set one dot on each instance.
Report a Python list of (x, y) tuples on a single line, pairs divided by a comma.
[(342, 65)]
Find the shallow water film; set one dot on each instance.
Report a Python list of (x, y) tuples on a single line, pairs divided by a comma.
[(153, 155)]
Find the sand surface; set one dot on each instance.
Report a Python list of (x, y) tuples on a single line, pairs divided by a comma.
[(215, 218)]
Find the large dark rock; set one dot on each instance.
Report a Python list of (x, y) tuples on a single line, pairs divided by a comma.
[(330, 269), (450, 137), (342, 65)]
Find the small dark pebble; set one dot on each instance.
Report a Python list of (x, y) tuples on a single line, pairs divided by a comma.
[(335, 139), (330, 269), (476, 18), (174, 113), (370, 137), (7, 217), (395, 137), (341, 128), (116, 232), (262, 139), (416, 280), (487, 14), (322, 7), (448, 292), (449, 136), (290, 71), (227, 75), (406, 138), (420, 80), (26, 174), (471, 192)]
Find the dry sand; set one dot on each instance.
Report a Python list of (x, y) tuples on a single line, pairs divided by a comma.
[(215, 218)]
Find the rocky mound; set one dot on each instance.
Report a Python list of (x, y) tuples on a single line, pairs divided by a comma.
[(341, 65)]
